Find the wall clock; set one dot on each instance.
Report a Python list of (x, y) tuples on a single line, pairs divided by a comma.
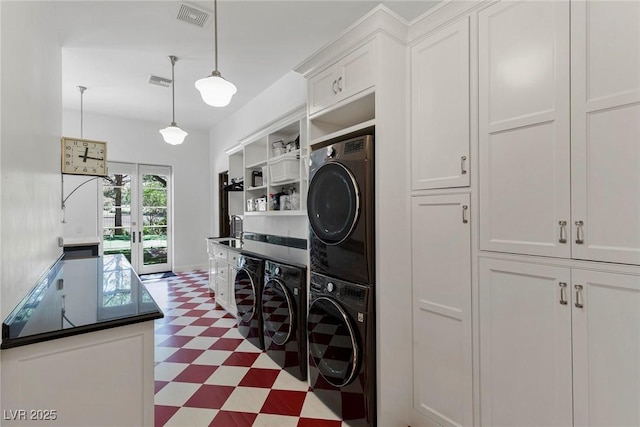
[(84, 157)]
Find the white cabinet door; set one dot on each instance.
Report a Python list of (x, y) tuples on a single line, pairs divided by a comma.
[(349, 76), (442, 343), (605, 139), (525, 344), (524, 127), (212, 274), (606, 340), (440, 109)]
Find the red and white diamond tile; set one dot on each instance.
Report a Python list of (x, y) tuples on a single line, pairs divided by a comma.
[(206, 374)]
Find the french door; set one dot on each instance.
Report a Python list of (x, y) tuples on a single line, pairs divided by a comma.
[(136, 216)]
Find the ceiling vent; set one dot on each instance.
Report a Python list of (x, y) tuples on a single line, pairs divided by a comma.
[(192, 15), (160, 81)]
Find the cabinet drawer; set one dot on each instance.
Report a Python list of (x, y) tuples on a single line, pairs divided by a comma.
[(222, 271), (232, 257), (220, 252)]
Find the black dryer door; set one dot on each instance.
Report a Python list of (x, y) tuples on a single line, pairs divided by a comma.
[(333, 344), (277, 312), (245, 293), (333, 203)]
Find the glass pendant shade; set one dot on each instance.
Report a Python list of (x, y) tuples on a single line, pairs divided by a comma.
[(215, 90), (173, 134)]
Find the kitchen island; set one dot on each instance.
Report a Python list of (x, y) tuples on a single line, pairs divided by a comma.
[(78, 349)]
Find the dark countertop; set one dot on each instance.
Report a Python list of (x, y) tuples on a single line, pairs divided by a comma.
[(77, 296), (286, 250)]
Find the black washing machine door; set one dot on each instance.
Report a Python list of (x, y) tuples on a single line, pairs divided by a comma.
[(278, 312), (333, 203), (333, 342), (246, 295)]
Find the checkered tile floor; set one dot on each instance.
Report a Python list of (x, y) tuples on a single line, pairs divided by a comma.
[(206, 374)]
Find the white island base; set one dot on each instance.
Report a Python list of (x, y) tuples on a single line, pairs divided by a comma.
[(95, 379)]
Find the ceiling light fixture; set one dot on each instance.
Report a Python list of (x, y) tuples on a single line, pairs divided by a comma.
[(172, 134), (215, 90)]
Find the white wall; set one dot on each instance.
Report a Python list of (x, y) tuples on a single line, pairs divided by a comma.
[(136, 141), (280, 98), (30, 148)]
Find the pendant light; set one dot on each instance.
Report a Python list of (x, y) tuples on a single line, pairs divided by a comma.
[(215, 90), (172, 134)]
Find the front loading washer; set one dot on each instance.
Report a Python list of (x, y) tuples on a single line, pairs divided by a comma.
[(247, 288), (284, 315), (342, 351), (340, 207)]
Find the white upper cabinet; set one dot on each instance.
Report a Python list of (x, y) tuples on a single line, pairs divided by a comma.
[(440, 109), (524, 128), (350, 75), (605, 140)]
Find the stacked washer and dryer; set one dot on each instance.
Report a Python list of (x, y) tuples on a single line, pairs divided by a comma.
[(338, 324), (341, 317)]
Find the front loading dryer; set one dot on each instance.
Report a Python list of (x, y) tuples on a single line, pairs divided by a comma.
[(340, 207), (284, 316), (247, 289)]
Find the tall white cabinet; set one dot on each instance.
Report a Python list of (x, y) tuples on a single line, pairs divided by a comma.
[(524, 127), (441, 257), (559, 181), (559, 211), (605, 130)]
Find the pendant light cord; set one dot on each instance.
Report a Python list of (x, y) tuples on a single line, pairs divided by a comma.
[(173, 90), (215, 30), (81, 89)]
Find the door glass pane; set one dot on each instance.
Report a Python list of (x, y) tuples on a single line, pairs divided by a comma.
[(116, 224), (154, 219)]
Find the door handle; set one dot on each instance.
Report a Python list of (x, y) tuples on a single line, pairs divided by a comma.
[(579, 233), (339, 86), (333, 87), (578, 303), (133, 235), (563, 232), (563, 296), (464, 214), (139, 236), (463, 170)]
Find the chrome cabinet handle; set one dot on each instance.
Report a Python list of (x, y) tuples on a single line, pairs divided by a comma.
[(339, 86), (333, 87), (463, 170), (563, 295), (563, 232), (579, 233), (578, 304), (464, 214)]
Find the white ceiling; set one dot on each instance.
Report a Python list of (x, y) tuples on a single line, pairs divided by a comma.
[(112, 47)]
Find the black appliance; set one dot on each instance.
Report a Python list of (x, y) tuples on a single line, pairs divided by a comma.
[(340, 206), (284, 315), (247, 289), (341, 334)]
